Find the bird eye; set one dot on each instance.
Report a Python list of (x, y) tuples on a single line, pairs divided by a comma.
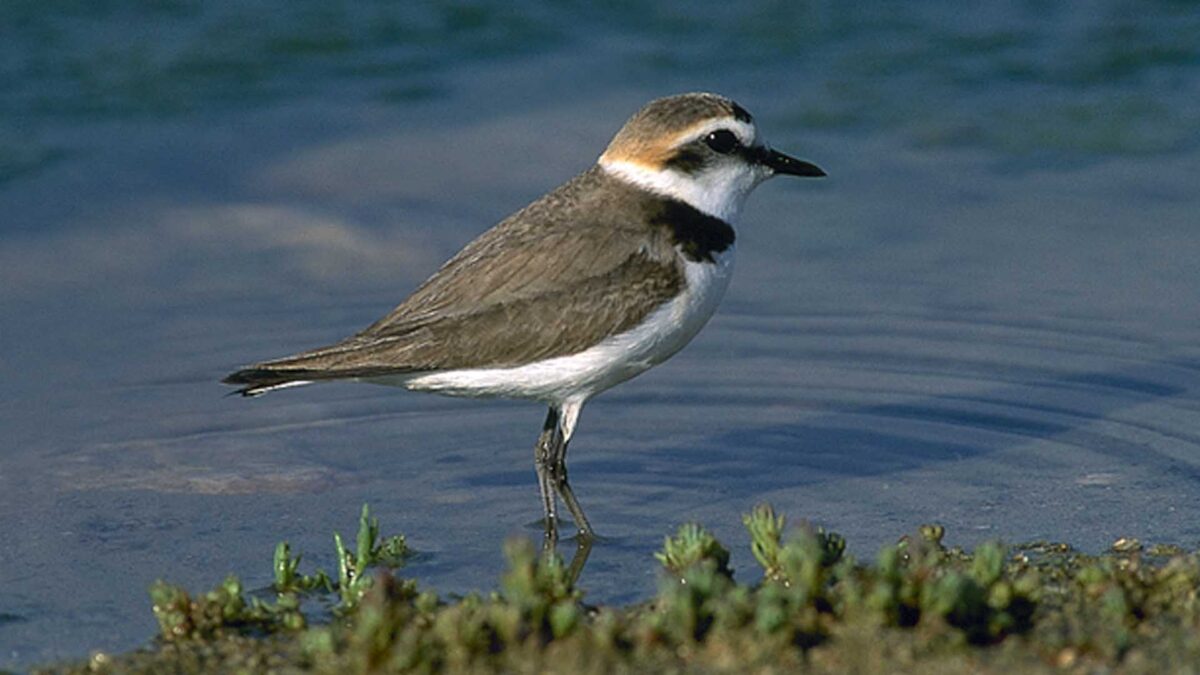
[(722, 140)]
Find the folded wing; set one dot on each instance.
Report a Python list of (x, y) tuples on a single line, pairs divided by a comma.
[(551, 280)]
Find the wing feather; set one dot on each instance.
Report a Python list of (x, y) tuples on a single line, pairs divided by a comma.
[(564, 273)]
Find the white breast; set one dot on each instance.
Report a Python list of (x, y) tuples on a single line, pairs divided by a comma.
[(616, 359)]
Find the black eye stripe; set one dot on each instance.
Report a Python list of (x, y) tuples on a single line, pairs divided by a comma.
[(722, 141)]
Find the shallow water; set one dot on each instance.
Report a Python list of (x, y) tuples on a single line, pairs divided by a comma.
[(986, 316)]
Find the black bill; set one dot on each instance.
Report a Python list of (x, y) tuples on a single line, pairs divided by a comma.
[(790, 166)]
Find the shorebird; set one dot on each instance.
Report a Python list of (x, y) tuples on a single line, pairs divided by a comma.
[(593, 283)]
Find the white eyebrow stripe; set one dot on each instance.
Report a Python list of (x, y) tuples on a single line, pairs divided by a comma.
[(746, 133)]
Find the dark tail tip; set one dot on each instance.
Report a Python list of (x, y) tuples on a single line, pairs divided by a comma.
[(256, 381)]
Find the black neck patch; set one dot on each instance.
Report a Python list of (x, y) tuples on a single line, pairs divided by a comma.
[(697, 234)]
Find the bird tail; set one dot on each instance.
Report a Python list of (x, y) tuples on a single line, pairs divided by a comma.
[(257, 380), (345, 360), (288, 372)]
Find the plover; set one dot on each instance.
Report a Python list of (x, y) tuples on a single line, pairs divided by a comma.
[(593, 283)]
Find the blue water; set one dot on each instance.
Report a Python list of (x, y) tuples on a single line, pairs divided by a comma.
[(986, 316)]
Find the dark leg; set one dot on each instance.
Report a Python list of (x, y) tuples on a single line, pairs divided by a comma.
[(568, 496), (544, 454), (550, 461), (568, 415)]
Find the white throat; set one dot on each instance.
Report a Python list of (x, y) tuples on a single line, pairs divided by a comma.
[(716, 193)]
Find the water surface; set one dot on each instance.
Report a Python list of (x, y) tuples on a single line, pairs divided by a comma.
[(986, 316)]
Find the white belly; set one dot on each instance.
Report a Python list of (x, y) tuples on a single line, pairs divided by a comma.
[(616, 359)]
